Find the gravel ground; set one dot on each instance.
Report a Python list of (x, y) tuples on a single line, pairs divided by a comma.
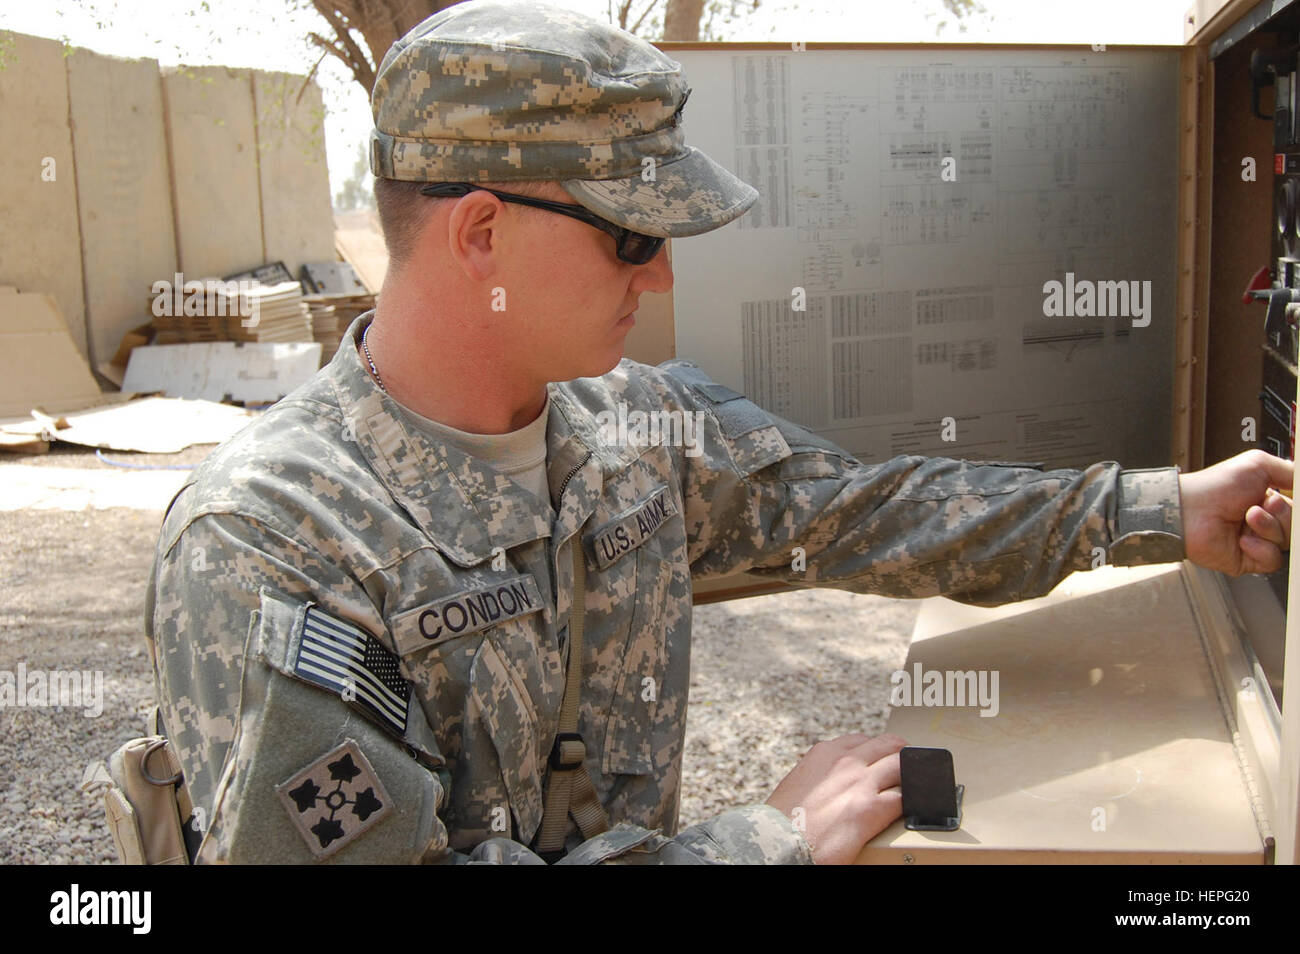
[(770, 675), (73, 598)]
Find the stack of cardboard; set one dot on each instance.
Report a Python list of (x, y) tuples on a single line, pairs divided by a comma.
[(347, 307), (343, 310), (274, 313), (325, 326), (254, 312), (173, 329)]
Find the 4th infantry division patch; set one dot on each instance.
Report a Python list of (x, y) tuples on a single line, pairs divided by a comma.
[(335, 799)]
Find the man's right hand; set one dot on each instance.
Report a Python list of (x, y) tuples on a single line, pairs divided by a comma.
[(848, 792)]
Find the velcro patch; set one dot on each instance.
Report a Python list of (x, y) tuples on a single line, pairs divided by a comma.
[(336, 799), (624, 534), (339, 657), (466, 612)]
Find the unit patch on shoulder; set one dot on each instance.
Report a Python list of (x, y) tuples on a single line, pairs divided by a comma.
[(624, 534), (335, 799)]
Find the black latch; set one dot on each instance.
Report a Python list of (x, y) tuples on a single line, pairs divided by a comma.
[(556, 750), (677, 113), (931, 796)]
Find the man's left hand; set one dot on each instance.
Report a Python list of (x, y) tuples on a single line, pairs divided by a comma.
[(1234, 520)]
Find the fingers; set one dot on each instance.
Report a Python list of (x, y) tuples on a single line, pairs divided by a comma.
[(872, 750), (1279, 506), (846, 742), (1280, 472), (887, 773), (1268, 534), (843, 744), (1277, 503), (1266, 525), (893, 799), (1261, 556)]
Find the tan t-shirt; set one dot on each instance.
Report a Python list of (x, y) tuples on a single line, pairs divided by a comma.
[(520, 455)]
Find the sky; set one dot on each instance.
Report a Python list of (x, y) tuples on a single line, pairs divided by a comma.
[(271, 35)]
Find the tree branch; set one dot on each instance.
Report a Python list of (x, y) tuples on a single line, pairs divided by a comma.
[(356, 59), (310, 73), (645, 13)]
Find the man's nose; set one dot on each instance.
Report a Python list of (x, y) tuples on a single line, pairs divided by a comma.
[(655, 275)]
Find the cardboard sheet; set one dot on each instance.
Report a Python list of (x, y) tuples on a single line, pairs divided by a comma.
[(23, 443), (40, 365), (360, 243), (222, 370), (155, 425)]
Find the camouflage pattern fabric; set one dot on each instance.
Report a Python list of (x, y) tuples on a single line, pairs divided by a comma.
[(463, 580), (490, 92)]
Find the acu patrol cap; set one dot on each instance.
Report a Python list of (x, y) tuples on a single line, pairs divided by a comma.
[(496, 92)]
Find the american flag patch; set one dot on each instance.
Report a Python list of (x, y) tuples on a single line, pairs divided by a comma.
[(347, 660)]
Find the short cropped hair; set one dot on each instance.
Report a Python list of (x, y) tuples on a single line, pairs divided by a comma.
[(403, 210)]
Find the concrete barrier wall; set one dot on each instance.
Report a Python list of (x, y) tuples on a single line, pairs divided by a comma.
[(205, 170), (297, 214), (123, 190), (212, 139), (40, 241)]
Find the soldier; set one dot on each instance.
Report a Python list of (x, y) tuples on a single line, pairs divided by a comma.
[(432, 607)]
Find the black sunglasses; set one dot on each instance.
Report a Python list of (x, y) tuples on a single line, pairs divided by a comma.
[(633, 247)]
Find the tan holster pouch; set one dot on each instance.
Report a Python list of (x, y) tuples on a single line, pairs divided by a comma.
[(145, 800)]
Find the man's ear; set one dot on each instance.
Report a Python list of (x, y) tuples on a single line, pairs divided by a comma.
[(475, 232)]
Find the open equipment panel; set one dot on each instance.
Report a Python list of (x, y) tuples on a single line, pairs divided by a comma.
[(1141, 715)]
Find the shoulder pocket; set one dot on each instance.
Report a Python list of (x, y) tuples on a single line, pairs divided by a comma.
[(307, 644), (752, 435), (307, 778)]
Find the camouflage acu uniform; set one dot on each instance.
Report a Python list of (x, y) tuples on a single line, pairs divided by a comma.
[(332, 501), (509, 93), (360, 634)]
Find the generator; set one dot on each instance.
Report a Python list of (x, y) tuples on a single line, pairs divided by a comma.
[(918, 201)]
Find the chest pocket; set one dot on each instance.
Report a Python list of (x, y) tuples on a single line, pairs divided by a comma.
[(636, 709), (500, 702), (494, 684), (637, 539)]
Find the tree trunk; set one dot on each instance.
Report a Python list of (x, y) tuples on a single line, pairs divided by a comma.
[(682, 19), (381, 22)]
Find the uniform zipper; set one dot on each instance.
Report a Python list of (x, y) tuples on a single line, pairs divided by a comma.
[(568, 477), (555, 576)]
